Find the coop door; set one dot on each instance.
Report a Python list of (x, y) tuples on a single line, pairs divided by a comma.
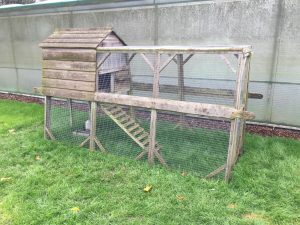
[(106, 82)]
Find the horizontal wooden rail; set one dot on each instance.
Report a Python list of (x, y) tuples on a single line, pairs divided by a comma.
[(210, 92), (209, 110), (178, 49)]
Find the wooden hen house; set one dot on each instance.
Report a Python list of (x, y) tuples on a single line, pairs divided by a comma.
[(73, 69)]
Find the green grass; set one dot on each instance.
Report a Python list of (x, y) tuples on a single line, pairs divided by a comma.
[(109, 189)]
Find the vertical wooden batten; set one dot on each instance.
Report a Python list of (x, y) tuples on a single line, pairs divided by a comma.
[(237, 124)]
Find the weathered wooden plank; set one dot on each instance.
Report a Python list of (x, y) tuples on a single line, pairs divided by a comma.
[(91, 29), (69, 84), (93, 118), (69, 75), (179, 49), (64, 93), (210, 92), (202, 109), (83, 55), (62, 35), (47, 116), (69, 65), (68, 45), (236, 124), (70, 40)]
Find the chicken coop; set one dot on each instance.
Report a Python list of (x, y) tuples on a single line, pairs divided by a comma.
[(181, 107)]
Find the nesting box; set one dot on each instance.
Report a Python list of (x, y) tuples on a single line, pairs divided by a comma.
[(72, 68)]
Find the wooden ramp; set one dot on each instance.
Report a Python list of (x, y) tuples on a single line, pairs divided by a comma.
[(132, 128)]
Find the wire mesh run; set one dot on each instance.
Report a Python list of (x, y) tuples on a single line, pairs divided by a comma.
[(185, 110)]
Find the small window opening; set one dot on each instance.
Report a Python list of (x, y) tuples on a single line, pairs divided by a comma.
[(104, 82)]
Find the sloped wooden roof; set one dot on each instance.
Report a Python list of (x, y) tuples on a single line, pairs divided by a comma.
[(77, 38)]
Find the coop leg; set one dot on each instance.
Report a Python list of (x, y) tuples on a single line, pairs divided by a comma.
[(93, 117), (70, 112), (47, 115), (152, 136)]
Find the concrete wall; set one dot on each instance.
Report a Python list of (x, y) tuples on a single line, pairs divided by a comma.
[(272, 27)]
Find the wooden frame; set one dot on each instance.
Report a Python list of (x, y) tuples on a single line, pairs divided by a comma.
[(81, 67)]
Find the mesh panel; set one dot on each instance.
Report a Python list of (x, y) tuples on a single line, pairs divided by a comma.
[(185, 142)]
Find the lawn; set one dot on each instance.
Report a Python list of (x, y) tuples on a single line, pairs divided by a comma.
[(44, 182)]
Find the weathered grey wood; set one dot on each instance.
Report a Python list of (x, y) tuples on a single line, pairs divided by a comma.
[(131, 58), (215, 172), (180, 82), (84, 55), (147, 61), (69, 84), (152, 137), (47, 115), (210, 110), (69, 65), (64, 93), (69, 45), (167, 62), (178, 49), (187, 58), (155, 94), (93, 118), (61, 35), (84, 30), (102, 60), (235, 129), (71, 40), (69, 75), (244, 103), (195, 91), (70, 111), (100, 146)]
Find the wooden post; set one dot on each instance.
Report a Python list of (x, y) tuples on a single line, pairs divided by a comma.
[(93, 118), (153, 121), (130, 92), (47, 116), (180, 82), (236, 129), (70, 112)]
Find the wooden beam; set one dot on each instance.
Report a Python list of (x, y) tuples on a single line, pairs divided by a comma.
[(147, 61), (195, 91), (47, 115), (155, 94), (69, 54), (69, 84), (64, 93), (131, 58), (69, 75), (69, 65), (93, 119), (210, 110), (178, 49), (215, 172), (236, 124), (102, 60), (187, 58), (167, 62), (180, 82)]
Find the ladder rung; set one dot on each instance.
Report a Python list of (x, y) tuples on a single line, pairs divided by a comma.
[(133, 127), (109, 107), (142, 136), (120, 114), (129, 123), (115, 110), (138, 131), (145, 142), (124, 119)]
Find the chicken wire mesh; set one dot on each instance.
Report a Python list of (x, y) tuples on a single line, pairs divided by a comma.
[(185, 142)]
